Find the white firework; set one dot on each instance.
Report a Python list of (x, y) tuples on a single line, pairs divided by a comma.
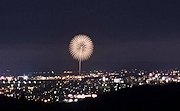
[(81, 48)]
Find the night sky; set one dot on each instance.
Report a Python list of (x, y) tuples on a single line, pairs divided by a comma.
[(35, 35)]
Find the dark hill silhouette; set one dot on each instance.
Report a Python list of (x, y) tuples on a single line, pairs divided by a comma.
[(158, 98)]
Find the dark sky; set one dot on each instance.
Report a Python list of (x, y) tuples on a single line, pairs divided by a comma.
[(35, 34)]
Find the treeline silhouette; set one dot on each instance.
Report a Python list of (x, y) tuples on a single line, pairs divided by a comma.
[(144, 98)]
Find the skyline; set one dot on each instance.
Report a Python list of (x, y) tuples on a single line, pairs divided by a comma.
[(126, 34)]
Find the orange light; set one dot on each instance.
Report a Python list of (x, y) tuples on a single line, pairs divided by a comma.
[(94, 95)]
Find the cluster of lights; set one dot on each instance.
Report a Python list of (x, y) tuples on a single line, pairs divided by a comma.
[(73, 88)]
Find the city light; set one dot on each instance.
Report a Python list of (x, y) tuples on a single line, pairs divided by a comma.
[(74, 87)]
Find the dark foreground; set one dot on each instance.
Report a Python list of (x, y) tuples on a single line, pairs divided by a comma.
[(158, 98)]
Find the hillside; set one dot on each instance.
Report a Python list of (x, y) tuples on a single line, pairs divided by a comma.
[(165, 97)]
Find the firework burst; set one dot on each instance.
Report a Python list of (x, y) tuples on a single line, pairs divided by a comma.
[(81, 48)]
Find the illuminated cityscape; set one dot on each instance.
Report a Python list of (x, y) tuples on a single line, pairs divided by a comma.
[(71, 87), (126, 55)]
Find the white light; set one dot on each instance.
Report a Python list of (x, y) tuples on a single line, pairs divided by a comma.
[(25, 77), (11, 95), (2, 77), (70, 100), (43, 78), (87, 95), (166, 80), (80, 96), (122, 81), (45, 101), (103, 78), (169, 78), (94, 95), (70, 95), (140, 83), (156, 76), (75, 100), (9, 78), (65, 100), (116, 80), (163, 78)]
